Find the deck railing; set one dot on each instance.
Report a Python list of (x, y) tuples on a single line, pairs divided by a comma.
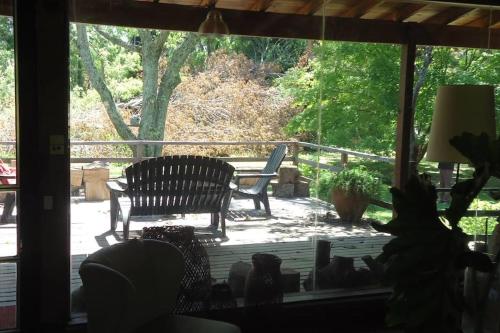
[(295, 147)]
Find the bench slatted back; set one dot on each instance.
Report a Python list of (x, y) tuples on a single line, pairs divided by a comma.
[(178, 184)]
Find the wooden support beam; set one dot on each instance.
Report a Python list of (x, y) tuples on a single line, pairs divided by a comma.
[(311, 7), (359, 8), (403, 165), (260, 5), (266, 24), (448, 15)]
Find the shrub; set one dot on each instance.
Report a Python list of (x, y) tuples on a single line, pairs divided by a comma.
[(355, 180)]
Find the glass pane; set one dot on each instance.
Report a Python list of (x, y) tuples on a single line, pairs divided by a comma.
[(8, 282), (8, 224), (233, 92)]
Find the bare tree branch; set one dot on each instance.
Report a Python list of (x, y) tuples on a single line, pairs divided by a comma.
[(116, 40)]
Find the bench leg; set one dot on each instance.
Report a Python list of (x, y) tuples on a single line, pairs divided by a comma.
[(214, 220), (223, 224), (126, 225)]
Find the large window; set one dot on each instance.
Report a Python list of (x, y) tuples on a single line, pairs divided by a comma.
[(238, 98), (143, 93)]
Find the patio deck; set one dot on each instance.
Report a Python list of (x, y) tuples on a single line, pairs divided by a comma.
[(289, 233)]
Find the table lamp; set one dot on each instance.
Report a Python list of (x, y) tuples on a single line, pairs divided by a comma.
[(459, 109)]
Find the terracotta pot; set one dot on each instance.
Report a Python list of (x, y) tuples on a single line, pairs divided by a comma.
[(349, 206)]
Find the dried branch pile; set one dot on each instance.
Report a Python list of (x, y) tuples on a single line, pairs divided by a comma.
[(229, 101)]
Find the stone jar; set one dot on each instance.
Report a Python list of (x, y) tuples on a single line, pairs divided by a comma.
[(264, 284)]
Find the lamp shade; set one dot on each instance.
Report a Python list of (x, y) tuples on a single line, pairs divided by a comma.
[(213, 24), (460, 108)]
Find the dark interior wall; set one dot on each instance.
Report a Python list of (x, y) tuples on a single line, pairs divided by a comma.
[(42, 55)]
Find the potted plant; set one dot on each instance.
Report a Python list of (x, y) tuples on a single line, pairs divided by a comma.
[(350, 191), (426, 259)]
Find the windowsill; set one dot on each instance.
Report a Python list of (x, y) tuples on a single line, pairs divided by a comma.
[(290, 299)]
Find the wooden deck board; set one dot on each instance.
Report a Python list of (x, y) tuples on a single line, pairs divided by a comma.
[(290, 233)]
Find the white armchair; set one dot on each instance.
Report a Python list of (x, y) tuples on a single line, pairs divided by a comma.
[(132, 287)]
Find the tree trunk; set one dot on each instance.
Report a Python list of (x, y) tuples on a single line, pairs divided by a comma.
[(150, 59), (97, 81)]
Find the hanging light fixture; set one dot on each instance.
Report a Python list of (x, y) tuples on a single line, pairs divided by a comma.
[(213, 24)]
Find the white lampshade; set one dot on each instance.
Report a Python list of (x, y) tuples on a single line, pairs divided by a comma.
[(460, 108), (213, 24)]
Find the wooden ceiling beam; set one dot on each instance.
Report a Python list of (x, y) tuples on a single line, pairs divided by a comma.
[(484, 20), (260, 5), (359, 8), (402, 12), (468, 3), (311, 7), (448, 15), (265, 24)]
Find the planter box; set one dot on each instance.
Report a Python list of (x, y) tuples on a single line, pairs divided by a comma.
[(95, 177)]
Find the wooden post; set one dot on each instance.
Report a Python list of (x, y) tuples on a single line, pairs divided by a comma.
[(344, 158), (405, 117), (295, 152)]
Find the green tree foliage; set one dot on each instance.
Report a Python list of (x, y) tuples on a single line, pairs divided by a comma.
[(355, 87), (455, 66)]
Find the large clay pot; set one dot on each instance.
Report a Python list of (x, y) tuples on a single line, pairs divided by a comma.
[(349, 206)]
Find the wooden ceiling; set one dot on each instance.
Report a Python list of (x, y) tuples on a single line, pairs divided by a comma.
[(475, 14), (463, 23)]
